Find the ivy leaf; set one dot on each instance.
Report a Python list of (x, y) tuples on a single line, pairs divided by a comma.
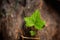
[(35, 16), (29, 22), (35, 20), (32, 33), (39, 24)]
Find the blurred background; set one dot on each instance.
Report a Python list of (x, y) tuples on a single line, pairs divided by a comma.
[(12, 13)]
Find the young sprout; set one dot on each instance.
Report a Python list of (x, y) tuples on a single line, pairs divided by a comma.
[(32, 33), (35, 20)]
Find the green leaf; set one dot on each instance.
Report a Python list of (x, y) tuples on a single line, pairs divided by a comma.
[(29, 22), (39, 24), (35, 15), (35, 20), (32, 33)]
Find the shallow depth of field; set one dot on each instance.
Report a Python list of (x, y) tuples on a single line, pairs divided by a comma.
[(29, 20)]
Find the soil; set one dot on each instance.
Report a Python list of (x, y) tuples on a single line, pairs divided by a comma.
[(50, 16), (12, 20)]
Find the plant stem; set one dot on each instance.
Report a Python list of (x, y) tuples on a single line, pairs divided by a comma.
[(28, 37)]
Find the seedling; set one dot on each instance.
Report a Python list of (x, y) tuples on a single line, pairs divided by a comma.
[(32, 33), (34, 20)]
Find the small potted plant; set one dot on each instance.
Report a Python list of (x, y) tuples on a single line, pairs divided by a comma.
[(35, 22)]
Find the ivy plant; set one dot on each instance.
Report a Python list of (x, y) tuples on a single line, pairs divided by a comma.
[(34, 20)]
